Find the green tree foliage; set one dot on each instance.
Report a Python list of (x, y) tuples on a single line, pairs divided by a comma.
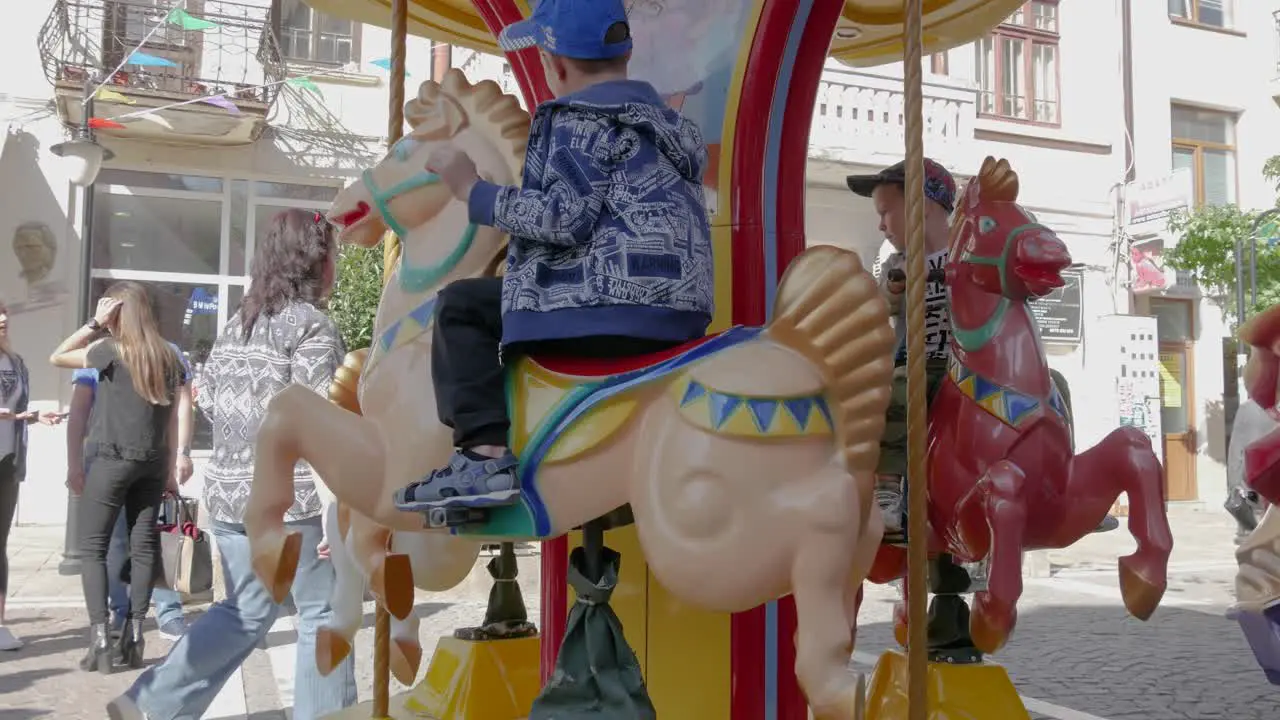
[(1206, 249), (1207, 244), (356, 294)]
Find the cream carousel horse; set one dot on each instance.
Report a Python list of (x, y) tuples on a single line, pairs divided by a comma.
[(747, 458)]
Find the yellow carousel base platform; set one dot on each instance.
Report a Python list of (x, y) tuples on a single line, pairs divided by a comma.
[(489, 680), (981, 691)]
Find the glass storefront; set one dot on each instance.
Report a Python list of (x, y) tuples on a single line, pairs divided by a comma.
[(188, 238)]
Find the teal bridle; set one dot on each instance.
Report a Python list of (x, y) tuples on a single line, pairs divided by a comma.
[(415, 279)]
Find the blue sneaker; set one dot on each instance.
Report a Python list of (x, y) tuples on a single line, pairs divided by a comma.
[(467, 481), (173, 630)]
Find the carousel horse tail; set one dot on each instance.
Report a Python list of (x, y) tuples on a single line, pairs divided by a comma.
[(344, 391), (830, 310)]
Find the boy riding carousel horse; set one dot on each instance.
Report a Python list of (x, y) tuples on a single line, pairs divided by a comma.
[(885, 189), (610, 249)]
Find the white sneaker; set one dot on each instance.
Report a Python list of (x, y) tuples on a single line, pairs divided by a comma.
[(9, 641), (890, 502)]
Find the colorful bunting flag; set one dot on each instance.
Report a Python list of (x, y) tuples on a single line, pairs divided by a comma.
[(152, 117), (222, 102), (113, 96), (182, 19), (385, 64), (141, 58), (305, 84)]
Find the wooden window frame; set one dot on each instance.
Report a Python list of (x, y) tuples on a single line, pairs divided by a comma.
[(1030, 36), (1194, 20), (1197, 147), (939, 64), (277, 24)]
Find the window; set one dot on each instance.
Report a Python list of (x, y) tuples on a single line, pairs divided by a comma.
[(938, 64), (188, 239), (311, 36), (1214, 13), (1017, 66), (1204, 143)]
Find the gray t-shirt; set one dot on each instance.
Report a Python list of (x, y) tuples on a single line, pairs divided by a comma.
[(10, 389)]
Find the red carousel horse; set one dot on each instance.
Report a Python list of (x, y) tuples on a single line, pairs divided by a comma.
[(1001, 470)]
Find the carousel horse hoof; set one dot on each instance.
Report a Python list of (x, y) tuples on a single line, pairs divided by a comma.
[(452, 517), (275, 561), (392, 583), (331, 649), (1141, 595), (989, 626), (406, 658)]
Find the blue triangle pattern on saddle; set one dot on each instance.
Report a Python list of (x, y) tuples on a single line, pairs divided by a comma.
[(582, 399), (762, 412), (722, 407), (800, 410), (1009, 406), (693, 392)]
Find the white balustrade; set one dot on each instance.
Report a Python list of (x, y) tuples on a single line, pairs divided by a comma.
[(859, 117)]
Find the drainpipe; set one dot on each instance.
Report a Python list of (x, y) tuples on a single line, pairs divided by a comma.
[(441, 60), (1130, 162)]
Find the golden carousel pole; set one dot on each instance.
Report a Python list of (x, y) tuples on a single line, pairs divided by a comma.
[(390, 254), (917, 414)]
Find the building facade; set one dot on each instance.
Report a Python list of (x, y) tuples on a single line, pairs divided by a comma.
[(227, 112), (235, 110)]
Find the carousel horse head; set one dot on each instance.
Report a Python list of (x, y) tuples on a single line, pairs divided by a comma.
[(997, 245), (399, 193), (1262, 372)]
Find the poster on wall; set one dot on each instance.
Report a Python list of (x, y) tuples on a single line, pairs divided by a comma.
[(1140, 410)]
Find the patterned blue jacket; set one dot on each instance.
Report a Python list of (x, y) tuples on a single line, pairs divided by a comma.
[(609, 231)]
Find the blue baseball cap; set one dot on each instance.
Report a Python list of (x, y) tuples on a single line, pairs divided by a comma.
[(570, 28)]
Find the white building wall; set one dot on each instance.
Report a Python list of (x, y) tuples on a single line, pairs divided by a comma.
[(327, 140), (1233, 71)]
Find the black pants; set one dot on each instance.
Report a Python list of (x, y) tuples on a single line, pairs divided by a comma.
[(466, 367), (137, 487), (8, 505)]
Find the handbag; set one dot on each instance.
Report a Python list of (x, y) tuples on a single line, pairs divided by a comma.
[(185, 554)]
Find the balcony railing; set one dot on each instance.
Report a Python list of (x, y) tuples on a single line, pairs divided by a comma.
[(859, 117), (212, 47)]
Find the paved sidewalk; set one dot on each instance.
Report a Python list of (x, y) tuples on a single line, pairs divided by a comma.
[(1076, 655)]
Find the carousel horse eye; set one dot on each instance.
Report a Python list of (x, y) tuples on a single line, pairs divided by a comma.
[(986, 225)]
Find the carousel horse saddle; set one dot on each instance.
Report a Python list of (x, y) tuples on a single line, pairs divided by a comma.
[(561, 408)]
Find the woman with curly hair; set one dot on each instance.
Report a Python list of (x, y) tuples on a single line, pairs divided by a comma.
[(279, 335), (132, 447)]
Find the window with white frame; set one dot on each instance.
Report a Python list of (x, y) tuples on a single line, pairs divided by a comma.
[(1212, 13), (1018, 66), (310, 36), (189, 239)]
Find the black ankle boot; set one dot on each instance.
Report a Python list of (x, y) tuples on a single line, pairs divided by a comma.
[(98, 657), (131, 644)]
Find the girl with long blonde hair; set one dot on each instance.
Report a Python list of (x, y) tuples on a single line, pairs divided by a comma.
[(132, 444)]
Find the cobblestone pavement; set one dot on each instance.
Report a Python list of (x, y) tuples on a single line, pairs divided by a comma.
[(1076, 655)]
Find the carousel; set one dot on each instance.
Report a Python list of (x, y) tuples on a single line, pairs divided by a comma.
[(706, 515)]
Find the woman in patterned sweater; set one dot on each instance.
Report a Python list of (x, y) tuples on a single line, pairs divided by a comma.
[(279, 335)]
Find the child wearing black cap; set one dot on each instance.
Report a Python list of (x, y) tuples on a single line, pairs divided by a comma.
[(885, 189), (610, 251)]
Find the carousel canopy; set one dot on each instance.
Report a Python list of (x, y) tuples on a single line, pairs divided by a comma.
[(869, 31)]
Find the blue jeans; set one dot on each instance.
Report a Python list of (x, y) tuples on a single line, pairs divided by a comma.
[(168, 603), (185, 684)]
